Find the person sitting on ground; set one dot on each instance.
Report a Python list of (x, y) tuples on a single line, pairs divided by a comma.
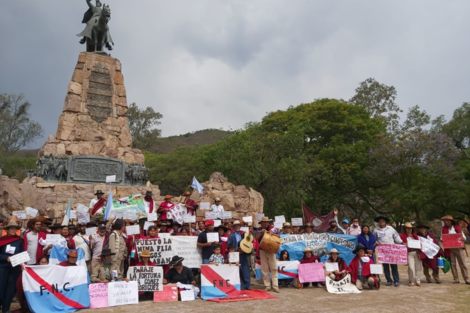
[(216, 258), (340, 273), (309, 258), (359, 268), (179, 273), (106, 271), (284, 256), (72, 257), (145, 261)]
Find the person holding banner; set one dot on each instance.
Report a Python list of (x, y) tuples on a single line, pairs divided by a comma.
[(427, 262), (72, 257), (164, 207), (309, 258), (455, 254), (359, 268), (414, 263), (97, 206), (367, 239), (340, 273), (386, 234), (56, 230), (190, 204), (267, 259), (10, 245)]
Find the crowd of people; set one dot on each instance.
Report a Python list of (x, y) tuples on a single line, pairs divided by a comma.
[(110, 251)]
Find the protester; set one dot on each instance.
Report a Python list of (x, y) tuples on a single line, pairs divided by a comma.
[(427, 262), (284, 256), (359, 268), (179, 273), (234, 240), (223, 238), (354, 229), (455, 254), (10, 244), (145, 257), (218, 209), (106, 271), (334, 229), (96, 244), (287, 228), (56, 230), (72, 230), (190, 204), (345, 224), (82, 241), (97, 207), (309, 258), (308, 229), (230, 249), (267, 259), (386, 234), (149, 207), (342, 266), (152, 233), (207, 247), (414, 263), (34, 241), (43, 260), (216, 258), (133, 257), (368, 240), (72, 257), (117, 244), (228, 224), (164, 207), (175, 228)]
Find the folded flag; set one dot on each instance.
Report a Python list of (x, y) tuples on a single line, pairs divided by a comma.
[(197, 185)]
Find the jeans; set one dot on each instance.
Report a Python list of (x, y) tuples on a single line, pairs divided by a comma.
[(205, 261), (394, 267), (244, 271), (9, 276)]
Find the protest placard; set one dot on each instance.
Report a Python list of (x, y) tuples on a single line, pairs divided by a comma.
[(248, 219), (90, 231), (429, 247), (122, 293), (392, 254), (187, 295), (204, 206), (210, 215), (297, 221), (234, 257), (149, 278), (82, 209), (169, 293), (245, 229), (19, 258), (217, 223), (110, 178), (311, 272), (450, 241), (342, 286), (376, 269), (31, 212), (331, 267), (178, 212), (148, 224), (278, 225), (413, 244), (161, 249), (152, 217), (259, 216), (280, 219), (132, 230), (189, 219), (212, 237), (19, 214), (53, 239), (227, 215), (98, 295), (186, 247), (83, 218), (73, 214)]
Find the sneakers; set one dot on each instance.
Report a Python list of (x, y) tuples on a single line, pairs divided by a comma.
[(397, 284), (389, 283)]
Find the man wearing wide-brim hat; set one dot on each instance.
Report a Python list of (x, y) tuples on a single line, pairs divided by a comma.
[(72, 257), (97, 206), (414, 263), (190, 204), (429, 263), (455, 254), (164, 207), (106, 271), (234, 240), (359, 268), (267, 258), (386, 234)]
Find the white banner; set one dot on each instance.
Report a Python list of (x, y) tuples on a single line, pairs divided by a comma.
[(429, 247), (186, 247), (342, 286), (122, 293)]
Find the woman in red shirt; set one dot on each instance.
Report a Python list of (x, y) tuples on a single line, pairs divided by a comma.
[(145, 261), (415, 265)]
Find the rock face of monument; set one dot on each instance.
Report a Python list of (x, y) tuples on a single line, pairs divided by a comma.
[(94, 118)]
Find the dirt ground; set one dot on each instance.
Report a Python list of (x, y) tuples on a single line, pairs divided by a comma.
[(446, 297)]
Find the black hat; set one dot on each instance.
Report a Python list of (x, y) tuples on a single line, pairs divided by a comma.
[(175, 223), (387, 220), (91, 225), (71, 226), (176, 260), (99, 192), (56, 225), (105, 252), (221, 226), (360, 247), (423, 226), (149, 193), (168, 220)]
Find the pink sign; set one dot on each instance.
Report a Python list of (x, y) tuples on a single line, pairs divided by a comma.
[(169, 293), (311, 272), (392, 254), (98, 295)]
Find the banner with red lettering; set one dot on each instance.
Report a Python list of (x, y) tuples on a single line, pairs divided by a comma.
[(392, 254)]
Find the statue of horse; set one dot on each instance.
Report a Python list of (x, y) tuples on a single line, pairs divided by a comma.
[(99, 31)]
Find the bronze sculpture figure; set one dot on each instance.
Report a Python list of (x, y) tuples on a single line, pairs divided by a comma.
[(96, 33)]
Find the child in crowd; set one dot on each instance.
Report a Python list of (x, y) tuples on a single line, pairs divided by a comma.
[(230, 249), (216, 258)]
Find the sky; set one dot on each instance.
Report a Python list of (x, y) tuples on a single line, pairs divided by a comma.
[(223, 63)]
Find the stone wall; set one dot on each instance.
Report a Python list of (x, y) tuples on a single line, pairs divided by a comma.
[(94, 118)]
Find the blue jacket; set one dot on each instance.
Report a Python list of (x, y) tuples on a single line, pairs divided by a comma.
[(18, 244), (370, 245)]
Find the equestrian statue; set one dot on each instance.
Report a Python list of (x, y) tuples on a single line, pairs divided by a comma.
[(96, 33)]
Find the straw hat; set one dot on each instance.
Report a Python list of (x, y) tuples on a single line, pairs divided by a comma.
[(333, 251), (408, 225), (168, 197), (448, 217), (145, 254), (307, 250), (286, 224), (236, 222), (265, 219)]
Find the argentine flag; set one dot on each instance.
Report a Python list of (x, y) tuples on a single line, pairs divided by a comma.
[(197, 185), (65, 221), (53, 288), (109, 205)]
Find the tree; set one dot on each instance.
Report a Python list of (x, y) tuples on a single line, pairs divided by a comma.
[(415, 119), (16, 129), (379, 100), (458, 128), (142, 123)]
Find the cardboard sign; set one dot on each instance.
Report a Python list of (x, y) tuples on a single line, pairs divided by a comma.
[(169, 293), (152, 217), (331, 267), (122, 293), (210, 215), (31, 212), (233, 257), (187, 295), (98, 295), (82, 209), (149, 278), (414, 244), (53, 239), (19, 258), (227, 215), (451, 241), (259, 216), (280, 219), (248, 219), (311, 272), (204, 206), (189, 219), (161, 249), (376, 269), (186, 247), (342, 286), (211, 237), (297, 221), (392, 254), (111, 179), (132, 230), (90, 231), (20, 214)]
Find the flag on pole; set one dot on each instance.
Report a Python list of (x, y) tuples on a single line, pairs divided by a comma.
[(65, 221), (317, 221), (109, 205), (197, 185)]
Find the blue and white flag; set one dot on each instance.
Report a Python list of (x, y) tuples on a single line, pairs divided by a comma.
[(197, 185), (52, 288), (287, 269), (109, 205), (65, 221), (59, 254)]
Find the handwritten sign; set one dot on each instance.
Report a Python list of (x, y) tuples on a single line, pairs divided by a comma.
[(311, 272), (161, 249), (83, 218), (110, 178), (149, 278), (31, 212), (82, 209), (376, 269), (227, 215), (413, 244), (187, 295), (259, 216), (278, 225), (178, 212), (297, 221), (211, 237), (152, 217), (19, 258), (217, 223), (392, 254), (186, 247), (148, 224), (20, 214), (98, 295), (90, 231), (342, 286), (53, 239), (169, 293), (451, 241), (132, 230), (248, 219), (189, 219), (122, 293), (245, 229), (280, 219), (73, 214), (429, 247), (233, 257), (331, 267), (205, 205), (210, 215)]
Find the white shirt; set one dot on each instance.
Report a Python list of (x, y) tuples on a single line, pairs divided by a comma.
[(81, 243), (453, 231), (218, 209), (32, 247), (92, 204)]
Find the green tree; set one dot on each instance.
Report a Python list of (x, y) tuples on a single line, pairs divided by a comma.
[(142, 124), (16, 129), (458, 128)]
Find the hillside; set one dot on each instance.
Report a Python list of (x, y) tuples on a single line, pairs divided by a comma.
[(201, 137)]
